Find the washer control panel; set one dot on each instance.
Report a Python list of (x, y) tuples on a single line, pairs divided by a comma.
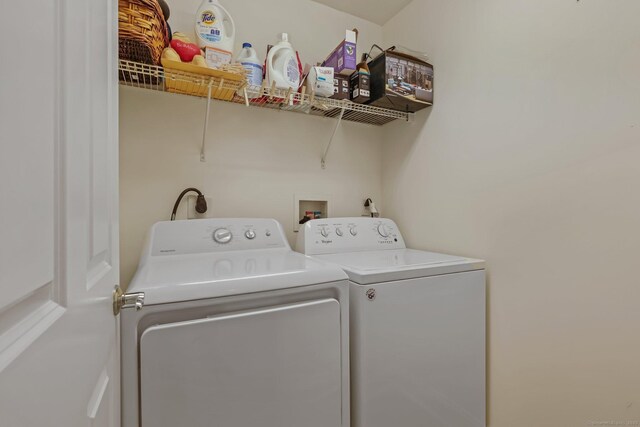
[(215, 235), (335, 235)]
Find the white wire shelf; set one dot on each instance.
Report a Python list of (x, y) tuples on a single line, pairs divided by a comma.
[(154, 78)]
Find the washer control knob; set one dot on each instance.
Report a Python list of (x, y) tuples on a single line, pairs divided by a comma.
[(383, 230), (222, 235), (324, 231), (353, 230), (250, 234), (339, 231)]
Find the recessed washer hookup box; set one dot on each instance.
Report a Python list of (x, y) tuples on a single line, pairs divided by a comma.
[(400, 81)]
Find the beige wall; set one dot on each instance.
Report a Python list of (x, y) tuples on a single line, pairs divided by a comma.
[(531, 160), (257, 159)]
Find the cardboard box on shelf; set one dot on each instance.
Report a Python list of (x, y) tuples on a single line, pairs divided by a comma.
[(400, 81), (340, 87), (343, 57), (216, 58), (320, 81), (360, 87)]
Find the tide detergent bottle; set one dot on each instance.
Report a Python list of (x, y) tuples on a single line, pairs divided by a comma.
[(215, 31)]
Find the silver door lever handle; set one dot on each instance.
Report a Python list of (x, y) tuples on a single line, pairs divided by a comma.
[(122, 300)]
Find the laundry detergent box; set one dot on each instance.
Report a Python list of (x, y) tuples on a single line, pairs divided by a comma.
[(401, 81), (343, 57), (320, 81)]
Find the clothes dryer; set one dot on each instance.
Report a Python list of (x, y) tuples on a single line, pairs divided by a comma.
[(233, 328)]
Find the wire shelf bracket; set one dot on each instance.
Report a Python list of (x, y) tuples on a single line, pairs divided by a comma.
[(323, 161), (203, 157)]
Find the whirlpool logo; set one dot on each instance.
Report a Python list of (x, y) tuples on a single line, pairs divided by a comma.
[(208, 17)]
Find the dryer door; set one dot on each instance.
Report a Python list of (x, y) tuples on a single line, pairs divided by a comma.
[(271, 367)]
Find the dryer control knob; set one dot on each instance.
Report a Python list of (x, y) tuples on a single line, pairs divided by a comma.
[(339, 231), (250, 234), (353, 230), (324, 231), (383, 230), (222, 235)]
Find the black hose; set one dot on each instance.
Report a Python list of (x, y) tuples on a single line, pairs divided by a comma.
[(201, 203)]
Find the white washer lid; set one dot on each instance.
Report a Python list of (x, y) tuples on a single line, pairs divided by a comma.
[(211, 275), (369, 267)]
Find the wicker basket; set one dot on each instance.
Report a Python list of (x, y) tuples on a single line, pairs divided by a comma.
[(143, 32), (189, 79)]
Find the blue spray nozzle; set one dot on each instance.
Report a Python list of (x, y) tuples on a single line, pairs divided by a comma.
[(246, 45)]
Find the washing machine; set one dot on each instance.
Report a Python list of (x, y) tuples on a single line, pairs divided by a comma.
[(224, 325), (417, 325)]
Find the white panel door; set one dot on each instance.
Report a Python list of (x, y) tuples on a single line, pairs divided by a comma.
[(59, 353)]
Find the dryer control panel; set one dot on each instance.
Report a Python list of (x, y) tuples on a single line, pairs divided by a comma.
[(214, 235), (336, 235)]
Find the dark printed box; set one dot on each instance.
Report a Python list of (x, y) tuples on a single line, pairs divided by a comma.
[(401, 82), (340, 87), (360, 87)]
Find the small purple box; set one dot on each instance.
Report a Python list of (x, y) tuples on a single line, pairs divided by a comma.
[(343, 58)]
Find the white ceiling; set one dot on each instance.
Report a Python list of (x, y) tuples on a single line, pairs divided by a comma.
[(377, 11)]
